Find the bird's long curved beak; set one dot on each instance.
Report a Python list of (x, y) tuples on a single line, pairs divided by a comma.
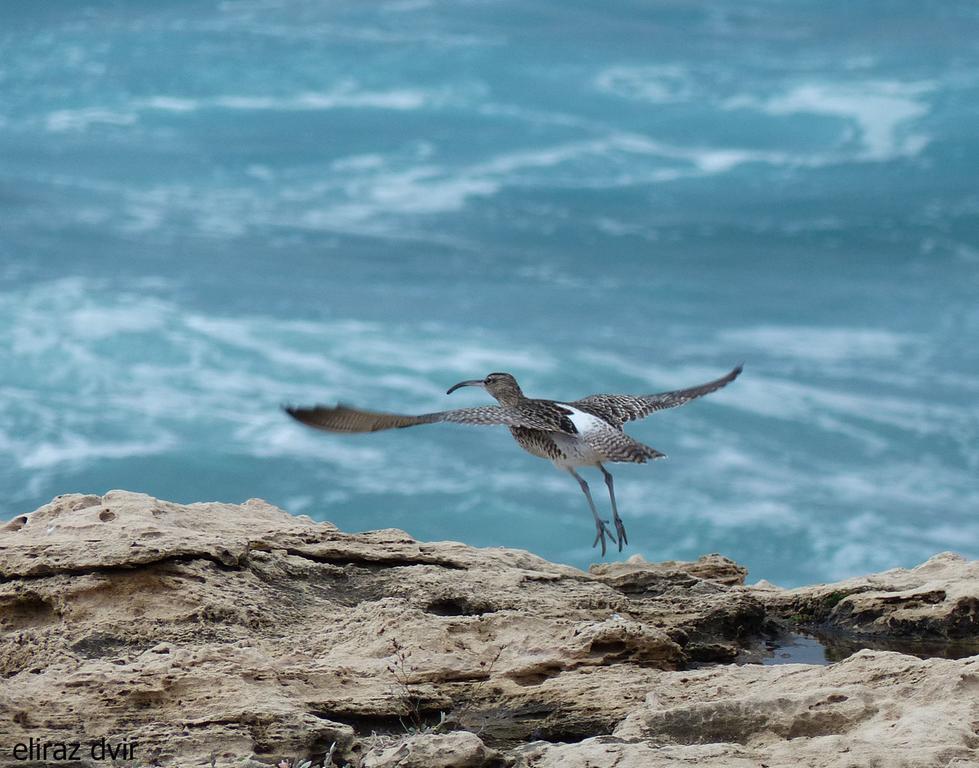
[(469, 383)]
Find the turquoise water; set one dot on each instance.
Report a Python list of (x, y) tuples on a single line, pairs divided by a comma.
[(209, 209)]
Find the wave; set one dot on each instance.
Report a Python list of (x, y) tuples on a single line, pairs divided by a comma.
[(78, 449), (106, 380), (822, 344), (391, 194), (378, 197), (883, 112), (395, 194), (63, 120), (345, 95), (147, 372), (864, 396)]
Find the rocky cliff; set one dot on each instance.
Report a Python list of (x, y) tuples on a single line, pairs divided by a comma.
[(202, 634)]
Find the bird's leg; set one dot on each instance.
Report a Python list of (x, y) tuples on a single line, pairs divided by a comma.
[(619, 528), (600, 525)]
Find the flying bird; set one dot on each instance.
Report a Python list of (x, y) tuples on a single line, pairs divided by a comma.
[(579, 433)]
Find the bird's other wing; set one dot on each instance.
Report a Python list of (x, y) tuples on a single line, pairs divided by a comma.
[(618, 409), (343, 418)]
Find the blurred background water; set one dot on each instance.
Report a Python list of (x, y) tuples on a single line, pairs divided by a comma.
[(211, 208)]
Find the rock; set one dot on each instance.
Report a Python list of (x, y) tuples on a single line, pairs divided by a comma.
[(884, 708), (230, 632), (637, 575), (240, 628), (938, 599), (875, 708), (460, 749), (603, 751)]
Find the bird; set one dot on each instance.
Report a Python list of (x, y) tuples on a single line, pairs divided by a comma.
[(573, 434)]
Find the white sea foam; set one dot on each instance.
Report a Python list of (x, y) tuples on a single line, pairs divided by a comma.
[(377, 195), (358, 163), (246, 336), (403, 99), (883, 111), (835, 408), (229, 372), (86, 322), (64, 120), (78, 449), (819, 344), (849, 401), (345, 95), (924, 484), (388, 195), (171, 104), (271, 435), (425, 191), (180, 380)]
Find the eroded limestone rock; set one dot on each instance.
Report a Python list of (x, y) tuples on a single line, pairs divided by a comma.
[(875, 708), (234, 632), (239, 628), (938, 599), (460, 749), (880, 707)]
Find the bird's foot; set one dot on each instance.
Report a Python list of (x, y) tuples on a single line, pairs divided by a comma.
[(620, 530), (603, 530)]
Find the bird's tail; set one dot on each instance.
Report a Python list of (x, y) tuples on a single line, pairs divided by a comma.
[(618, 446), (648, 452)]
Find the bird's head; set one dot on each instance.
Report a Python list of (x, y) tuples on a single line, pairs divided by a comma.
[(502, 386)]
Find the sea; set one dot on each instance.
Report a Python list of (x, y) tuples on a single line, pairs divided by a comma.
[(210, 209)]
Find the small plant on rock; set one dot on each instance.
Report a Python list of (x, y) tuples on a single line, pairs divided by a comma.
[(411, 702)]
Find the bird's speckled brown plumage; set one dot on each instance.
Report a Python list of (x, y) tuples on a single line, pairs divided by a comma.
[(618, 409), (342, 418)]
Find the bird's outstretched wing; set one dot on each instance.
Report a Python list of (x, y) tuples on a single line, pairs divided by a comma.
[(343, 418), (618, 409)]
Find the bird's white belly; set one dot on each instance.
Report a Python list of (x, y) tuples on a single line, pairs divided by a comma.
[(577, 453)]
